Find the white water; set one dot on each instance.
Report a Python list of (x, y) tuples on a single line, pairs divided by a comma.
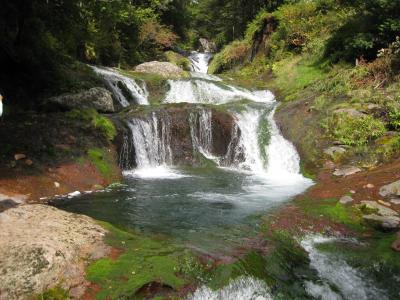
[(349, 282), (113, 80), (200, 62), (150, 140), (242, 288), (201, 131)]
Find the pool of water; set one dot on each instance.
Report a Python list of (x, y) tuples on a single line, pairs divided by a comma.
[(207, 209)]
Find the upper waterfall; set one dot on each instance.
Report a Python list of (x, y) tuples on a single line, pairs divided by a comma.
[(124, 89)]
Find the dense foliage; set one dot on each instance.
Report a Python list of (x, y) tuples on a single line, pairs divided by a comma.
[(41, 40)]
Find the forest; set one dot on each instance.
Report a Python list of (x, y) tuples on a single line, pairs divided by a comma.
[(48, 38)]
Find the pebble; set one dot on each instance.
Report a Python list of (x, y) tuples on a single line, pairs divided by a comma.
[(56, 184), (19, 156)]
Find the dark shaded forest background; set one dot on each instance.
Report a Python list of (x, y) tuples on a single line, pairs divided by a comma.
[(44, 42)]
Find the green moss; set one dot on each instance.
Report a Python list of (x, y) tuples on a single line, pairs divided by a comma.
[(144, 260), (102, 160), (294, 74), (354, 131), (204, 161), (101, 123), (334, 211), (178, 60), (56, 293)]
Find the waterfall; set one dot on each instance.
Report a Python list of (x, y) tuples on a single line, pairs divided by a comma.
[(211, 92), (201, 131), (148, 143), (335, 272), (199, 62), (124, 89)]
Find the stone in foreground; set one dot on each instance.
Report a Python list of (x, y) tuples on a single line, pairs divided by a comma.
[(42, 247)]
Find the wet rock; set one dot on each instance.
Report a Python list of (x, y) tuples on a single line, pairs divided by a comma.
[(164, 69), (346, 200), (349, 111), (382, 222), (334, 151), (19, 156), (346, 171), (97, 98), (42, 247), (390, 190), (396, 243)]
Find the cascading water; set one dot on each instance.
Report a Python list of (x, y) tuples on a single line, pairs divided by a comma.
[(200, 62), (125, 90), (149, 143), (201, 131)]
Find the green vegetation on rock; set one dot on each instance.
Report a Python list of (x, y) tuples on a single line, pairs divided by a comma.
[(143, 260), (102, 123)]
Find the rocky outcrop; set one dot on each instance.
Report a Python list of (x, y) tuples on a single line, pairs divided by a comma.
[(97, 98), (207, 46), (177, 126), (164, 69), (42, 247)]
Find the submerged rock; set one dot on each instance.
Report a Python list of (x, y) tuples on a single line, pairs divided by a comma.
[(346, 171), (390, 190), (164, 69), (42, 247), (97, 98)]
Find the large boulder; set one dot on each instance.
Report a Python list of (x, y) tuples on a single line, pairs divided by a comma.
[(98, 98), (207, 46), (42, 247), (164, 69)]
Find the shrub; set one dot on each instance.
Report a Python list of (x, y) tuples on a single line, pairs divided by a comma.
[(354, 131), (232, 55)]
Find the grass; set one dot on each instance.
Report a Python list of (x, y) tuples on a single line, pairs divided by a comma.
[(294, 74), (334, 211), (101, 123), (143, 260), (102, 160), (56, 293)]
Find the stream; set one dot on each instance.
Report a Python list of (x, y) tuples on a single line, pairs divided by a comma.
[(216, 209)]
